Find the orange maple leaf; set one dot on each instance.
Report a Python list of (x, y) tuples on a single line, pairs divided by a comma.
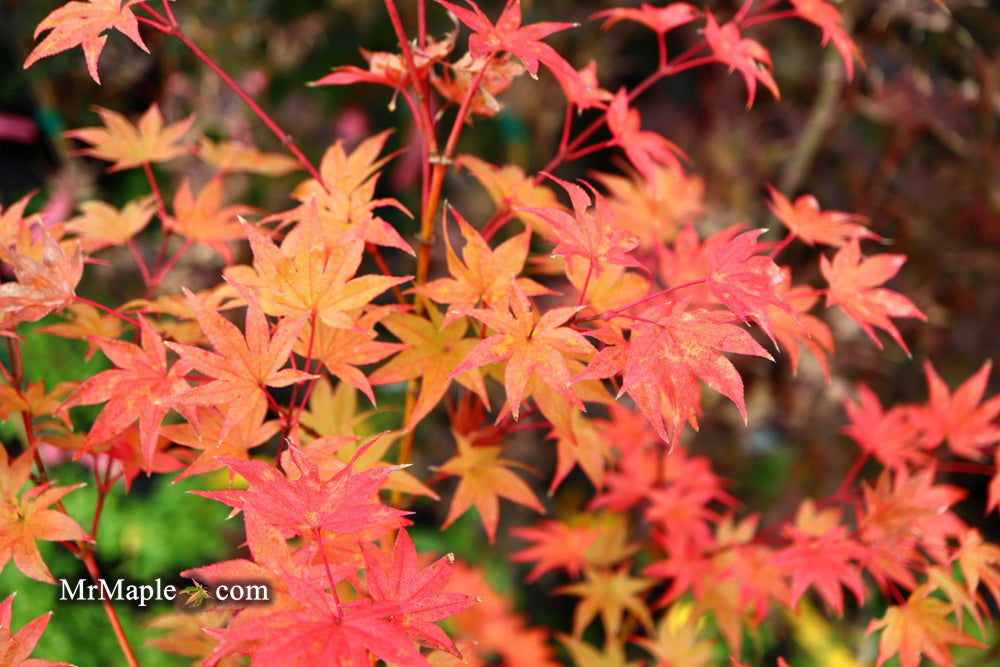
[(483, 276), (128, 145), (102, 225), (311, 273), (854, 287), (47, 275), (242, 366), (81, 24), (343, 350), (812, 225), (203, 219), (485, 478), (919, 627), (433, 351), (26, 519), (531, 346)]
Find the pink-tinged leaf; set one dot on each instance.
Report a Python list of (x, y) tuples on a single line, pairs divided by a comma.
[(854, 282), (746, 55)]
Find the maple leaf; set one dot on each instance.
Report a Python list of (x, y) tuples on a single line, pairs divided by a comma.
[(593, 235), (821, 555), (102, 225), (86, 323), (26, 519), (585, 92), (959, 418), (47, 275), (510, 36), (890, 435), (556, 545), (433, 351), (829, 20), (653, 209), (485, 478), (300, 503), (671, 348), (81, 24), (12, 220), (659, 19), (15, 647), (585, 654), (203, 219), (854, 287), (610, 593), (344, 202), (980, 563), (807, 222), (128, 145), (531, 346), (919, 627), (747, 283), (139, 388), (418, 591), (342, 350), (230, 156), (746, 55), (809, 330), (679, 640), (643, 148), (311, 273), (512, 190), (483, 276), (242, 366), (246, 434), (321, 632), (497, 75)]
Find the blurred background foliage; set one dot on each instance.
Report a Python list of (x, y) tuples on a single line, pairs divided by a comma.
[(913, 142)]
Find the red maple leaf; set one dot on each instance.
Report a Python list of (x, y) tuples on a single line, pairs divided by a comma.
[(812, 225), (140, 388), (660, 19), (854, 287), (300, 503), (321, 632), (15, 647), (746, 55), (556, 545), (959, 417), (241, 366), (670, 349), (745, 282), (521, 41), (531, 346), (417, 590), (829, 20), (591, 235), (643, 148)]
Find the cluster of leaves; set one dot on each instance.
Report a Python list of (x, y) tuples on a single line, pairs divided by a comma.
[(606, 339)]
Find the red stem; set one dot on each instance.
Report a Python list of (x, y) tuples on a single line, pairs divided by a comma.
[(329, 573), (648, 297), (110, 311)]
